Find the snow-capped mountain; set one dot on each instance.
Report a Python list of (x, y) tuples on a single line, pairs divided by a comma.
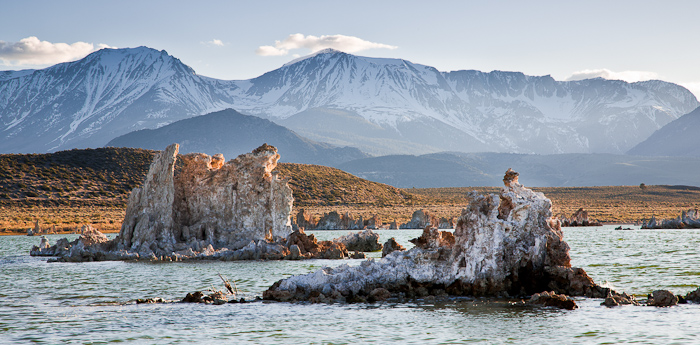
[(108, 93), (379, 105)]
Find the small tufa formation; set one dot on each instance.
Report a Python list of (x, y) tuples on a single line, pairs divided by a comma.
[(503, 245), (201, 207), (363, 241), (335, 221), (391, 246), (689, 219), (551, 299), (579, 218)]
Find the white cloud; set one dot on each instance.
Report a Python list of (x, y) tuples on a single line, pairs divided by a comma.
[(628, 76), (215, 42), (344, 43), (32, 51)]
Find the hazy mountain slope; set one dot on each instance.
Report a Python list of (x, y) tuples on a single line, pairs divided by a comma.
[(408, 107), (232, 133), (680, 137), (486, 169), (342, 127)]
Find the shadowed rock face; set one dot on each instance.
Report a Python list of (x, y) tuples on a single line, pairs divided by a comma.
[(504, 245)]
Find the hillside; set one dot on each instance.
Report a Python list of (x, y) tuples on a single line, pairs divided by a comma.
[(232, 133), (315, 185), (69, 188)]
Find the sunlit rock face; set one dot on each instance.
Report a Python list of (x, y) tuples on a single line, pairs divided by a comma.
[(201, 208), (503, 245), (208, 200)]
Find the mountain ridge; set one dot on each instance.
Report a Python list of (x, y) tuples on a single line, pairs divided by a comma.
[(115, 91), (232, 133), (677, 138)]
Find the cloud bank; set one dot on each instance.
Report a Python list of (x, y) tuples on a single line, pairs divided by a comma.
[(344, 43), (628, 76), (32, 51)]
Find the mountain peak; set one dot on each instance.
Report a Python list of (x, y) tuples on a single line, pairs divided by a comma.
[(327, 51)]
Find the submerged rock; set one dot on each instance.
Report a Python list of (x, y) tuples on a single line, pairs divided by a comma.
[(615, 299), (662, 298), (693, 296), (200, 207), (551, 299), (503, 245)]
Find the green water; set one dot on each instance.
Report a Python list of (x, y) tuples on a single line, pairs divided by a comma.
[(51, 303)]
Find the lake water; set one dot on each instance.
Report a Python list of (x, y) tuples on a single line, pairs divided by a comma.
[(51, 303)]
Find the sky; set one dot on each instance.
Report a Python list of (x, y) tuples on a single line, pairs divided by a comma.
[(628, 40)]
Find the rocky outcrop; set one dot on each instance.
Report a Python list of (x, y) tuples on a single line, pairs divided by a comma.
[(689, 219), (201, 207), (551, 299), (693, 296), (503, 245), (662, 298), (615, 300), (363, 241), (578, 218), (391, 246)]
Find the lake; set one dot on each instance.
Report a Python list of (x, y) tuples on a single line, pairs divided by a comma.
[(94, 302)]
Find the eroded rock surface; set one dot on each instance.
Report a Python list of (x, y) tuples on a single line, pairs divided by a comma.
[(391, 246), (503, 245), (551, 299), (203, 208), (363, 241)]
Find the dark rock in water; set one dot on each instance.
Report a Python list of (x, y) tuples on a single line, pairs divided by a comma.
[(390, 246), (693, 296), (310, 248), (503, 245), (150, 300), (551, 299), (363, 241), (615, 299), (216, 297), (662, 298), (358, 255)]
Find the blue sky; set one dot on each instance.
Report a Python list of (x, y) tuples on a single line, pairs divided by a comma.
[(630, 40)]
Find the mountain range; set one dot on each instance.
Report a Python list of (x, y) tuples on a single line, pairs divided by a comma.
[(232, 133), (381, 106)]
